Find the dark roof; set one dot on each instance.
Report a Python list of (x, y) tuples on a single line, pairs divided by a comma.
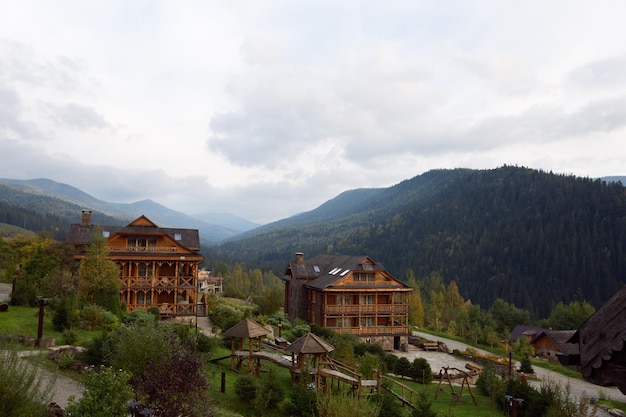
[(560, 339), (524, 330), (189, 238), (310, 344), (246, 328), (602, 340), (324, 270)]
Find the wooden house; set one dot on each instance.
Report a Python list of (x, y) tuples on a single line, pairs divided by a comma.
[(601, 340), (158, 266), (348, 294), (549, 344)]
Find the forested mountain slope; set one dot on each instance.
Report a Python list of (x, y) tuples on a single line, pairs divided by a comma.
[(530, 237)]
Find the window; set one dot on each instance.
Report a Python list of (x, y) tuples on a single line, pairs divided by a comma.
[(367, 321), (144, 298), (363, 276), (367, 299), (343, 300), (106, 233), (178, 236), (344, 322)]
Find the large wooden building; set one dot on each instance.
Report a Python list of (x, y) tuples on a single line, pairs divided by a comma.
[(158, 266), (348, 294)]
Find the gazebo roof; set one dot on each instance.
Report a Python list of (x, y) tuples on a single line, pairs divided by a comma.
[(310, 344), (246, 328)]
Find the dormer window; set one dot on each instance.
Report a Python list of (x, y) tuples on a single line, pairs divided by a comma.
[(177, 236)]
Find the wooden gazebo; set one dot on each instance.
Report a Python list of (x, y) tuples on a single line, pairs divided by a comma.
[(312, 346), (248, 330)]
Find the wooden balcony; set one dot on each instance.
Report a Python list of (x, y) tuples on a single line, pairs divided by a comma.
[(360, 309), (398, 330), (183, 309), (158, 282), (142, 249)]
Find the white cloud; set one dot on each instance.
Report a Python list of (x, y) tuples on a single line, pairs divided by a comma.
[(267, 109)]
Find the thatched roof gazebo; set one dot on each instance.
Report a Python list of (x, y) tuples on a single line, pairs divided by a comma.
[(245, 329)]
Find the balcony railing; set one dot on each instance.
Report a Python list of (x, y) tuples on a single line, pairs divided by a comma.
[(149, 249), (168, 309), (374, 330), (158, 282), (356, 309)]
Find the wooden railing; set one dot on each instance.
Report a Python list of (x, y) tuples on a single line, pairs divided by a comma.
[(373, 330), (150, 249), (355, 309), (158, 282), (168, 309)]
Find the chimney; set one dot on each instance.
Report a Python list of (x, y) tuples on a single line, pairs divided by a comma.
[(85, 219), (299, 258)]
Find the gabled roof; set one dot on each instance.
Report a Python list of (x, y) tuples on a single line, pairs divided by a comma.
[(324, 270), (310, 344), (142, 226), (560, 339), (246, 328), (524, 330)]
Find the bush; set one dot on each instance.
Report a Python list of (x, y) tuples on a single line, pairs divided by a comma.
[(526, 366), (421, 371), (206, 344), (268, 395), (245, 388), (106, 394), (96, 317), (70, 336), (22, 390)]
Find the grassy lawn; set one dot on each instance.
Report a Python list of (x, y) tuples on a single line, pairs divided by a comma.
[(444, 404), (24, 321)]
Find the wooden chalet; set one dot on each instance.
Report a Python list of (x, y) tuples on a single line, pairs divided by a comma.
[(549, 344), (348, 294), (158, 266), (601, 340)]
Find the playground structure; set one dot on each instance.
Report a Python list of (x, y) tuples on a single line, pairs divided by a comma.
[(310, 354)]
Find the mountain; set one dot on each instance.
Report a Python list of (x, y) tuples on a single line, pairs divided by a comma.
[(227, 220), (529, 237), (62, 204)]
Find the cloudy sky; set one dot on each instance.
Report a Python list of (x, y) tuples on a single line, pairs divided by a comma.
[(268, 108)]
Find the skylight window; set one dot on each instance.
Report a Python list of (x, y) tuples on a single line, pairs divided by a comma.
[(106, 233), (334, 271), (316, 268), (343, 274)]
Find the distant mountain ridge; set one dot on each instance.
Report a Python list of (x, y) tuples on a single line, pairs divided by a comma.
[(66, 202)]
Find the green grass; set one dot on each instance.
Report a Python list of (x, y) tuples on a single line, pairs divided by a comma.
[(444, 404), (24, 321)]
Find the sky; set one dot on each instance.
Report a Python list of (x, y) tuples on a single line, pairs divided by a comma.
[(264, 109)]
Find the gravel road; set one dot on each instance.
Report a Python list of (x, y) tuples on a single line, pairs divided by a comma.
[(578, 387)]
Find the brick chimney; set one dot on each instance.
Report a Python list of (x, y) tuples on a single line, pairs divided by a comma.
[(299, 258), (85, 218)]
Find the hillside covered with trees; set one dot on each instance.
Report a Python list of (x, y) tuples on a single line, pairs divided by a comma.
[(531, 238)]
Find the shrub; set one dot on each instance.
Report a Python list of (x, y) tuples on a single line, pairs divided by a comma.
[(526, 366), (106, 394), (245, 388), (22, 390), (303, 398), (268, 395), (96, 317), (70, 336), (420, 371), (206, 344)]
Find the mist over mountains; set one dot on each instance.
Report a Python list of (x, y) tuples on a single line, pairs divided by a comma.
[(51, 198)]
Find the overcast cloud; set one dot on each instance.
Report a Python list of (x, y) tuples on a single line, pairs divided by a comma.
[(266, 109)]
